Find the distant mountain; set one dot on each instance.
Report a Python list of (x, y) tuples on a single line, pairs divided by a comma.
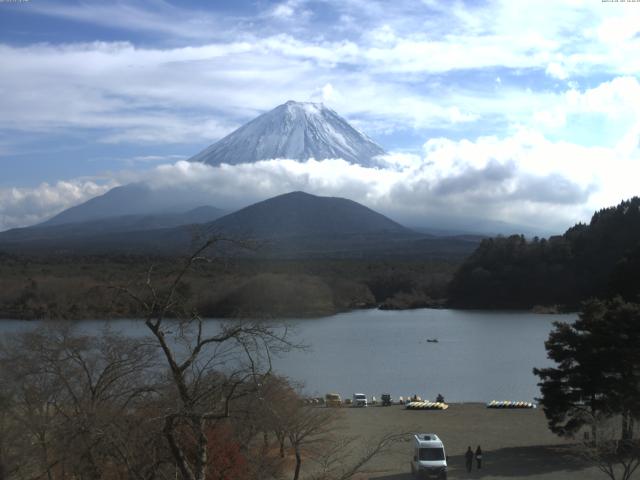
[(300, 225), (293, 130), (293, 226), (299, 214), (77, 230), (132, 199)]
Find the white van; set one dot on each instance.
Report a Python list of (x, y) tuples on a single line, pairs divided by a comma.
[(429, 458), (359, 400)]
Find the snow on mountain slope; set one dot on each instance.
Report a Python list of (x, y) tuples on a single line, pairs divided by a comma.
[(293, 130)]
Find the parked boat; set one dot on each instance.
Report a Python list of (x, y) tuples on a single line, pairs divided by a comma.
[(424, 405), (509, 404)]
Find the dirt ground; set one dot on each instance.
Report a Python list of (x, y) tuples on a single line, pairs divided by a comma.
[(515, 443)]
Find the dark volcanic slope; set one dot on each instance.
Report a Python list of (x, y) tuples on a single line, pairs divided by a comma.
[(125, 200), (300, 214), (132, 199), (123, 225), (296, 225)]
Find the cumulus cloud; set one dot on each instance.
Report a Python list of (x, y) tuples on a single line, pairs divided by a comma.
[(607, 114), (522, 179), (555, 152), (290, 10), (390, 70), (25, 206)]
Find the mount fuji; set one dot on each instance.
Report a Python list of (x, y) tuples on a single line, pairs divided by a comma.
[(295, 130)]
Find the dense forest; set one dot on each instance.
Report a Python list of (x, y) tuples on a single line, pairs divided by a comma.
[(78, 287), (601, 259)]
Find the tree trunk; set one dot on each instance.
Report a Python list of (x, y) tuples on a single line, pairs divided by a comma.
[(176, 450), (627, 426), (281, 439), (201, 454), (296, 474)]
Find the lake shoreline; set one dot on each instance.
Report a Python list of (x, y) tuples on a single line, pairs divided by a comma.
[(435, 305), (479, 356)]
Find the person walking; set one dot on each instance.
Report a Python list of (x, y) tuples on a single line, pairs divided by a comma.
[(479, 457), (468, 456)]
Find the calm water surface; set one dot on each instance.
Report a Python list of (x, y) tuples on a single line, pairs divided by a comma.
[(480, 356)]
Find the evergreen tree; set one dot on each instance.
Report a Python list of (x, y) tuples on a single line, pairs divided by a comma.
[(600, 259), (598, 368)]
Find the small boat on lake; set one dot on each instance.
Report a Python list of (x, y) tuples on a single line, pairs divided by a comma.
[(432, 340)]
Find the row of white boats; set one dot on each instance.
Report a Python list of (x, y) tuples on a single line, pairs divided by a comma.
[(509, 404), (424, 405)]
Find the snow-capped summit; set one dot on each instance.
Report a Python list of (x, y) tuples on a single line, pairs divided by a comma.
[(297, 130)]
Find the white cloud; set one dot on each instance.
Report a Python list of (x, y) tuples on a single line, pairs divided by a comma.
[(523, 178), (139, 95), (160, 17), (617, 98), (25, 206), (384, 73), (556, 70), (619, 29), (385, 70), (609, 112), (290, 10)]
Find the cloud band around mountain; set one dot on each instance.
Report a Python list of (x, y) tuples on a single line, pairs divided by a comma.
[(524, 179)]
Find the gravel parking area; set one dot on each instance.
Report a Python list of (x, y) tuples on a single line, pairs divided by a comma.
[(516, 443)]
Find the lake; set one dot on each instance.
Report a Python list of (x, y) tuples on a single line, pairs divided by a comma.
[(480, 355)]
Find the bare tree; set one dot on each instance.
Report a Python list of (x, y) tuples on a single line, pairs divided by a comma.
[(279, 403), (307, 428), (615, 456), (209, 371), (345, 457), (73, 397), (110, 406), (11, 442)]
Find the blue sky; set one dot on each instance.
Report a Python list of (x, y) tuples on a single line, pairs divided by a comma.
[(96, 94)]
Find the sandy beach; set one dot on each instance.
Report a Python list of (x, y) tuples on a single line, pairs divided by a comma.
[(516, 443)]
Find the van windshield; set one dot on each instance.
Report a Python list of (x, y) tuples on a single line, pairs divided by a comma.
[(431, 454)]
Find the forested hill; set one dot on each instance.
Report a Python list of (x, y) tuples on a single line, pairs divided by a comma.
[(601, 259)]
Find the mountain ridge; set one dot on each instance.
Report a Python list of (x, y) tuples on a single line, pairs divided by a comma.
[(301, 214), (295, 225), (131, 199), (119, 224)]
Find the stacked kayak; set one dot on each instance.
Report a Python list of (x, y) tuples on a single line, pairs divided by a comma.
[(426, 406), (509, 404)]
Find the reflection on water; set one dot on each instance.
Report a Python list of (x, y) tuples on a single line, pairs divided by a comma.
[(479, 356)]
